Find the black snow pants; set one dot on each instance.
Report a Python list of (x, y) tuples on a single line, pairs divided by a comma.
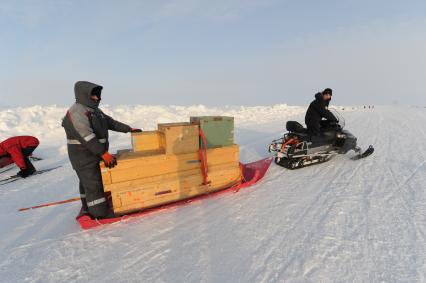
[(26, 152), (91, 190)]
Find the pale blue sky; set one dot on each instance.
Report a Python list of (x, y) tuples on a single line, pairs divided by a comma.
[(238, 52)]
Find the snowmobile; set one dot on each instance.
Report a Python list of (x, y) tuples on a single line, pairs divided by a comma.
[(297, 149)]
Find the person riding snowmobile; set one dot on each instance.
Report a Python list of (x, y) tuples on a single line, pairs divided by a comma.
[(17, 150), (318, 129), (86, 128), (300, 147)]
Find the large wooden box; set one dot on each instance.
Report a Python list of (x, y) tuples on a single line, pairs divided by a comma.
[(148, 141), (218, 130), (139, 165), (165, 189), (147, 179), (180, 138)]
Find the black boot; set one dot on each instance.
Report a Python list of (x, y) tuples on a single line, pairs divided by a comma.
[(30, 167), (109, 215)]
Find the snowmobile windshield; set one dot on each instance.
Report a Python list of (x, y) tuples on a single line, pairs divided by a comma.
[(339, 117)]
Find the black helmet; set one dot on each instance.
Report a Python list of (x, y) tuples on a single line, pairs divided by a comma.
[(328, 91)]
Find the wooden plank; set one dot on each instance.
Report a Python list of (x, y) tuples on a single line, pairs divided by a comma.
[(174, 185), (154, 194), (133, 166), (134, 159), (222, 173), (137, 206), (131, 184), (106, 177), (131, 155)]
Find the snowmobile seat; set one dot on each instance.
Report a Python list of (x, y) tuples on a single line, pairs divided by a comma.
[(296, 127)]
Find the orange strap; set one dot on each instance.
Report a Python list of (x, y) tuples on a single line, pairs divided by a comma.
[(203, 158)]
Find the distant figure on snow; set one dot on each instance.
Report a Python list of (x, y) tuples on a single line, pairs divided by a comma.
[(17, 150)]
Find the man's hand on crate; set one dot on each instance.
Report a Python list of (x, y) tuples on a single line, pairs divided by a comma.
[(134, 130), (109, 160)]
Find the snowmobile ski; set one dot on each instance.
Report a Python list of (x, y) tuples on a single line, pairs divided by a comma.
[(16, 177), (369, 151)]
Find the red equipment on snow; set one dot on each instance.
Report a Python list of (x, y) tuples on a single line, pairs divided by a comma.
[(12, 150)]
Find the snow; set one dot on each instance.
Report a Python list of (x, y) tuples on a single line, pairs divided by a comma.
[(344, 220)]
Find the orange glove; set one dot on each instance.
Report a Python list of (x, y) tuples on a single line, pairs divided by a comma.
[(109, 160)]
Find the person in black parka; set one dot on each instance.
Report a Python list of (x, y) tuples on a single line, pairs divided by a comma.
[(317, 111), (86, 128)]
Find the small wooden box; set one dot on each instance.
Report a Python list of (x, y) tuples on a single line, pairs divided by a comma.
[(148, 141), (180, 138)]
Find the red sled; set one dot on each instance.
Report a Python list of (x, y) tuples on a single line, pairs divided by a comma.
[(252, 173)]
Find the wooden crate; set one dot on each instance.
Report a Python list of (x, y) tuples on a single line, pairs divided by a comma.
[(180, 138), (140, 165), (151, 178), (148, 141), (161, 190)]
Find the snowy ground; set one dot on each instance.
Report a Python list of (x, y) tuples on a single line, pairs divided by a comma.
[(342, 221)]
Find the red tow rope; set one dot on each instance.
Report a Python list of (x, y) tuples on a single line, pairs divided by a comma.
[(50, 204)]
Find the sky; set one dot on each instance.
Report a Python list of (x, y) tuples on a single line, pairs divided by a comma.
[(235, 52)]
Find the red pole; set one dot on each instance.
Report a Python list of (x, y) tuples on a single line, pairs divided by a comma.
[(50, 204)]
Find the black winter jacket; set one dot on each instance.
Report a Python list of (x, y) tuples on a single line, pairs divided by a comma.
[(317, 110)]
